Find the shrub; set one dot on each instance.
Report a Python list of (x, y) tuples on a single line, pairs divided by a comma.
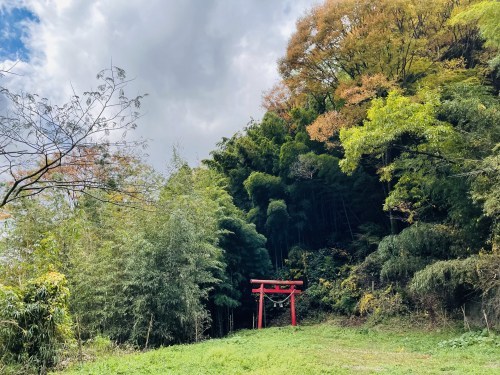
[(478, 275), (346, 293), (340, 293), (411, 250), (10, 302), (446, 276), (398, 257), (381, 303), (488, 270), (38, 323)]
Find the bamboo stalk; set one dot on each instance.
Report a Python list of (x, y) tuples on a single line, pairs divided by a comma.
[(149, 331)]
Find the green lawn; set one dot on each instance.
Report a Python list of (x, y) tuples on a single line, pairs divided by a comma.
[(319, 349)]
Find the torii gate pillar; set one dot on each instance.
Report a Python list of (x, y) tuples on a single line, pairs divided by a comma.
[(275, 287)]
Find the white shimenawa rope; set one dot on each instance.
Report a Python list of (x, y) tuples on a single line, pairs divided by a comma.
[(279, 302)]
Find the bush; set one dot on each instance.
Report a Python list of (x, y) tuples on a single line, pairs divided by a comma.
[(411, 250), (339, 293), (97, 346), (446, 276), (381, 303), (10, 302), (346, 293), (36, 323), (457, 281), (488, 269)]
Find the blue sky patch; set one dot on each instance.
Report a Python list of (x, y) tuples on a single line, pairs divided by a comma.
[(14, 31)]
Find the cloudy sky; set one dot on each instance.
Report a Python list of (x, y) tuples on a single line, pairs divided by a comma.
[(204, 63)]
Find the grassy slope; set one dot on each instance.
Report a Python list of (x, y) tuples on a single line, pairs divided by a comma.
[(319, 349)]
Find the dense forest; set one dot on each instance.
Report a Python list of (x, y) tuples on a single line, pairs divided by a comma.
[(374, 177)]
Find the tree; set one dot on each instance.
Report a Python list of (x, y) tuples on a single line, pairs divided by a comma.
[(174, 262), (344, 39), (262, 187), (277, 229), (245, 257), (397, 130), (485, 15), (486, 189), (39, 139), (388, 122)]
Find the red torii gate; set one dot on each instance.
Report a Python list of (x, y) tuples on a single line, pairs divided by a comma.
[(291, 291)]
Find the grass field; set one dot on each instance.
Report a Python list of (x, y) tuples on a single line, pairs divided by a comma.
[(319, 349)]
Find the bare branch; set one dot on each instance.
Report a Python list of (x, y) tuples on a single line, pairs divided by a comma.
[(73, 141)]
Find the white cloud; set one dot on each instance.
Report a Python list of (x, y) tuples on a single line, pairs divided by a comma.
[(204, 63)]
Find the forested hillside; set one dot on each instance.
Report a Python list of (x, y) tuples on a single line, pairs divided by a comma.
[(374, 177), (374, 173)]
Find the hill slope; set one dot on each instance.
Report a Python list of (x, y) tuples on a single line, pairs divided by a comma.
[(319, 349)]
